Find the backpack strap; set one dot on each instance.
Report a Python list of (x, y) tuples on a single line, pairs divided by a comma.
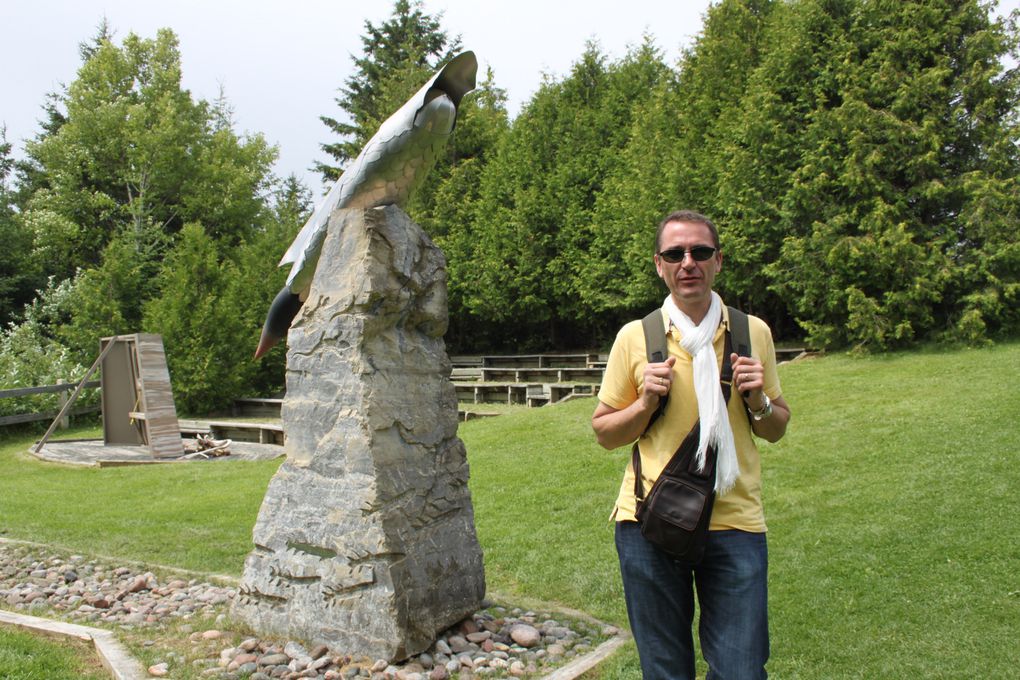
[(655, 350), (740, 331)]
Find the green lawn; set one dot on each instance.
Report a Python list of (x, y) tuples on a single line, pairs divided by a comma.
[(26, 656), (192, 516), (894, 544)]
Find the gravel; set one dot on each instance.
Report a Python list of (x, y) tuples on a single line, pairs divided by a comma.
[(495, 642)]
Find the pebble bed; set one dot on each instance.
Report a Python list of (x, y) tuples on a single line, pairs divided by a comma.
[(495, 642)]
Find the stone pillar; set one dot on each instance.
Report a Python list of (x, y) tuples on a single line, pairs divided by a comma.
[(366, 539)]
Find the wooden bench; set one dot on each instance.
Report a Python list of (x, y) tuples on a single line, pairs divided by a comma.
[(788, 353), (538, 360), (553, 393), (492, 392), (542, 375), (464, 373), (263, 433), (473, 415)]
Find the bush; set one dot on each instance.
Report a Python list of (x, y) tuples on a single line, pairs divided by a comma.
[(30, 356)]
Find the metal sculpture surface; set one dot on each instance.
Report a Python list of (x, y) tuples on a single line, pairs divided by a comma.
[(388, 169)]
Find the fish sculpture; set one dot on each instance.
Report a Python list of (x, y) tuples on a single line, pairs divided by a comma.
[(386, 172)]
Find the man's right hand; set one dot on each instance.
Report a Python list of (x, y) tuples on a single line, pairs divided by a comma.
[(657, 381), (619, 427)]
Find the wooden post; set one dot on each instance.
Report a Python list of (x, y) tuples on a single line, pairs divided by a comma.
[(65, 422)]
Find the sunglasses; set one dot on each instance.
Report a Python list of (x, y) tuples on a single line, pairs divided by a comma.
[(699, 253)]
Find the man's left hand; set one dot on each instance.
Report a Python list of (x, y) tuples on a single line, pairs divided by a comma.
[(749, 377)]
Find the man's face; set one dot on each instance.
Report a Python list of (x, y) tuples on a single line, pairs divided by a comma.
[(689, 281)]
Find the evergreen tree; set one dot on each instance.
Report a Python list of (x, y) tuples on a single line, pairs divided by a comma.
[(18, 274), (533, 218), (759, 146), (398, 57), (135, 153), (112, 182), (671, 161), (445, 204), (900, 215), (200, 328), (258, 278)]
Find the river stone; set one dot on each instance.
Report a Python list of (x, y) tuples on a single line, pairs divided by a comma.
[(366, 540)]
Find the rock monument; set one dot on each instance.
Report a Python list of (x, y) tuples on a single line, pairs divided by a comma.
[(366, 540)]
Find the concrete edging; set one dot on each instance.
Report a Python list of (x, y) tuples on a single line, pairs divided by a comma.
[(113, 655), (583, 664)]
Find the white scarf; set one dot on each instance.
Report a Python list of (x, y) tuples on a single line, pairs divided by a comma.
[(715, 422)]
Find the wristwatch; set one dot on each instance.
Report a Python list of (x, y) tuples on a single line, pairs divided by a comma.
[(765, 411)]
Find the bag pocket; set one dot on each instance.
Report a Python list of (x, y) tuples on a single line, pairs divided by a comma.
[(672, 518), (676, 502)]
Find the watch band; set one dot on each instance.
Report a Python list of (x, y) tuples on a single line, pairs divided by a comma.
[(765, 410)]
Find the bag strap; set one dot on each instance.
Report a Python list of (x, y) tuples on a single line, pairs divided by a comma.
[(738, 336), (725, 382)]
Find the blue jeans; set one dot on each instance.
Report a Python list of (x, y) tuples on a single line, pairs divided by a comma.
[(732, 587)]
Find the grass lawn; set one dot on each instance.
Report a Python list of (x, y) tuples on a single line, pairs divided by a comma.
[(27, 656), (192, 516), (894, 545)]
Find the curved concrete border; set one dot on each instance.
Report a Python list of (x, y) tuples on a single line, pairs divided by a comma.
[(113, 655), (585, 663)]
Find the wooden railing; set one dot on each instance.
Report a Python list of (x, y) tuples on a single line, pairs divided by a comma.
[(60, 390)]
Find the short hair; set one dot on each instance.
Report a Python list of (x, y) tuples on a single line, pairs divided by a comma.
[(688, 216)]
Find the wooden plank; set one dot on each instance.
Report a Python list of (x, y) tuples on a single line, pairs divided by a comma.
[(44, 389), (546, 375), (35, 417), (120, 392), (112, 654), (157, 398), (580, 360)]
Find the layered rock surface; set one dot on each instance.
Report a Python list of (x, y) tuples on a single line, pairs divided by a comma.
[(365, 540)]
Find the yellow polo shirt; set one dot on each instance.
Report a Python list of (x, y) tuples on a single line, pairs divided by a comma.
[(741, 506)]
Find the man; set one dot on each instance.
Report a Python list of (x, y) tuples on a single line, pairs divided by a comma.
[(731, 579)]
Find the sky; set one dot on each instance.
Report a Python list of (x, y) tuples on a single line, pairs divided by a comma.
[(280, 64)]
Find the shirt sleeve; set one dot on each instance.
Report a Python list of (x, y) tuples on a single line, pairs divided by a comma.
[(770, 379), (618, 389)]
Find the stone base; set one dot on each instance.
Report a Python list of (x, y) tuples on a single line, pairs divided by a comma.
[(365, 540)]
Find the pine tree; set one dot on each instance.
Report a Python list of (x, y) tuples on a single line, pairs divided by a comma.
[(901, 213), (134, 152), (533, 217), (398, 57), (19, 275)]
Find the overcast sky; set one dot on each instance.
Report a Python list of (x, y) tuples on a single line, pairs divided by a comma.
[(281, 63)]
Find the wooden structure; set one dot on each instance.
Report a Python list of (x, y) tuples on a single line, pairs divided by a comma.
[(235, 431), (542, 375), (540, 360), (138, 402)]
